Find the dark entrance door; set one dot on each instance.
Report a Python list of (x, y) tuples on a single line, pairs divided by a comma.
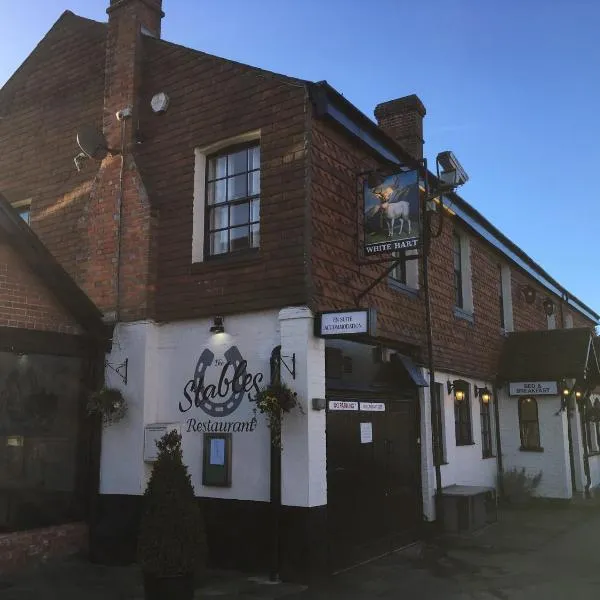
[(373, 487)]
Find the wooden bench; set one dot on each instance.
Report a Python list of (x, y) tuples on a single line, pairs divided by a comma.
[(468, 507)]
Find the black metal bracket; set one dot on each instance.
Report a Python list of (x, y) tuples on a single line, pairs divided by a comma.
[(291, 371), (120, 369)]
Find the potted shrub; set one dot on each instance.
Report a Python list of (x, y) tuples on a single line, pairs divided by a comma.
[(172, 542)]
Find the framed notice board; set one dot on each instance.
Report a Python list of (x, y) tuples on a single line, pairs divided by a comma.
[(216, 462)]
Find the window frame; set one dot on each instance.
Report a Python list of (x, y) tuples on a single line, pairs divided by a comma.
[(463, 419), (19, 205), (439, 445), (248, 199), (198, 254), (526, 447), (459, 296), (487, 440)]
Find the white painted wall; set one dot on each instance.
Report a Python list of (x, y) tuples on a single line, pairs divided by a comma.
[(553, 462), (162, 360), (465, 464)]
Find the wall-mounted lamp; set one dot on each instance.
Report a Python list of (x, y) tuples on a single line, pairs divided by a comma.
[(528, 293), (218, 325), (483, 394), (460, 388), (548, 306)]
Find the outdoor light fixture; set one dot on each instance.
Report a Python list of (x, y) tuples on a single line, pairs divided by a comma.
[(529, 294), (459, 388), (548, 306), (450, 171), (218, 325), (483, 394)]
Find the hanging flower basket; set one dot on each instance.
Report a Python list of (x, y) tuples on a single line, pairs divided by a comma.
[(109, 403), (273, 401)]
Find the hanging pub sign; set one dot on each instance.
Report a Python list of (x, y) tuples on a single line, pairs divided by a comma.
[(533, 388), (392, 213), (345, 322)]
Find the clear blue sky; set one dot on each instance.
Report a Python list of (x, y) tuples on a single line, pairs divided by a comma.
[(512, 87)]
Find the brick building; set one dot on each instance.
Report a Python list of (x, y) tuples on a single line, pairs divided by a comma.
[(232, 192)]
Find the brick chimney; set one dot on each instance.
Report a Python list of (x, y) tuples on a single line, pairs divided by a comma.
[(128, 20), (402, 120), (118, 277)]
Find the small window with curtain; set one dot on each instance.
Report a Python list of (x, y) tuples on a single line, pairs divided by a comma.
[(486, 429), (529, 425), (458, 274), (398, 273), (233, 200), (462, 418)]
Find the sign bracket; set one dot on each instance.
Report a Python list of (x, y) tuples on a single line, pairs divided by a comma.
[(385, 273), (291, 371), (119, 369)]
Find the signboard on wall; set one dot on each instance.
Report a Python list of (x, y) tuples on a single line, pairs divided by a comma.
[(345, 322), (533, 388), (392, 217)]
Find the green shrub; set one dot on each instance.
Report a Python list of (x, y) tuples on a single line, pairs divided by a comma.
[(518, 486), (172, 540)]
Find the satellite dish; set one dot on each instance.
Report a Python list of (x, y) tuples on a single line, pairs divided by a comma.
[(92, 142)]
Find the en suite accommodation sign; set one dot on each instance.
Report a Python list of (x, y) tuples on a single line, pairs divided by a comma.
[(345, 322), (533, 388)]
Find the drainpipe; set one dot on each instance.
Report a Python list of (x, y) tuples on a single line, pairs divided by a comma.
[(571, 454), (584, 438), (498, 442)]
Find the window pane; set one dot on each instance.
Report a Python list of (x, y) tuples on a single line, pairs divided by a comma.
[(528, 410), (238, 162), (255, 210), (239, 238), (219, 217), (254, 183), (218, 242), (239, 214), (255, 233), (254, 158), (217, 167), (237, 187), (217, 192)]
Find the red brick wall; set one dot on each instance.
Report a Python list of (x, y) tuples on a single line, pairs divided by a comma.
[(25, 549), (460, 346), (212, 100), (24, 300), (59, 88)]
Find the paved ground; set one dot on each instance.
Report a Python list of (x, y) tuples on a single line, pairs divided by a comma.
[(543, 554)]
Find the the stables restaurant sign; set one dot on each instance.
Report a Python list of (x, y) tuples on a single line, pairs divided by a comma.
[(533, 388), (392, 219), (218, 387)]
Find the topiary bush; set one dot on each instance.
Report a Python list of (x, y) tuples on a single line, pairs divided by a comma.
[(172, 539)]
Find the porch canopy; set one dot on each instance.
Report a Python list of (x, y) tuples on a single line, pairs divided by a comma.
[(551, 355)]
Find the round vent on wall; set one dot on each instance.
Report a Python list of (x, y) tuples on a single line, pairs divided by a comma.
[(160, 102)]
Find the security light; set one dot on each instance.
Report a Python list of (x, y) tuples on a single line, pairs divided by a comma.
[(450, 171)]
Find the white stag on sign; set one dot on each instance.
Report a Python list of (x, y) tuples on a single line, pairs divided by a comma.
[(393, 207)]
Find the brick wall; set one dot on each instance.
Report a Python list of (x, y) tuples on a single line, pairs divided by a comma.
[(461, 346), (58, 88), (24, 300), (212, 100), (25, 549)]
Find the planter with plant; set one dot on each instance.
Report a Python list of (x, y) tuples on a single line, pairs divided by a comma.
[(109, 403), (273, 402), (172, 540)]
